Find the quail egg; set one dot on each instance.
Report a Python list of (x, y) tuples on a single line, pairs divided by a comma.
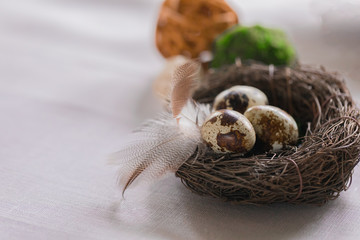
[(239, 98), (228, 131), (274, 127)]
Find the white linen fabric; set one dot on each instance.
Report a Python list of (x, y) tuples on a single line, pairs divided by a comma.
[(75, 78)]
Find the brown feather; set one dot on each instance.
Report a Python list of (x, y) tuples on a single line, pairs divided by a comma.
[(142, 167), (161, 145), (184, 82), (133, 176)]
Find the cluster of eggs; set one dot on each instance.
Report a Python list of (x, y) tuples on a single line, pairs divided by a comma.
[(241, 116)]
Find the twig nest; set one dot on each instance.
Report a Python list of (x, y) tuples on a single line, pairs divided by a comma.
[(317, 170), (240, 98), (274, 127), (266, 45), (228, 131), (188, 27)]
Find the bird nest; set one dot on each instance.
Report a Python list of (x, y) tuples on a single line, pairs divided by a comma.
[(314, 171)]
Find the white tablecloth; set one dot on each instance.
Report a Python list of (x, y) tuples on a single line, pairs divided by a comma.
[(75, 78)]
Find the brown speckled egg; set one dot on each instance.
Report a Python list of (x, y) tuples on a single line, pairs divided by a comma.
[(274, 127), (228, 131), (239, 98)]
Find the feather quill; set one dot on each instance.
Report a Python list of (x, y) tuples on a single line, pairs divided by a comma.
[(161, 145), (184, 81)]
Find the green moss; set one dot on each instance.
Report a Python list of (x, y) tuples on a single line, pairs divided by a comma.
[(269, 46)]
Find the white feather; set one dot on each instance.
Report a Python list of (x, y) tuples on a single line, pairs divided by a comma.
[(161, 145)]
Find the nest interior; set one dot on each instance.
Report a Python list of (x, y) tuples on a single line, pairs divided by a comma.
[(314, 171)]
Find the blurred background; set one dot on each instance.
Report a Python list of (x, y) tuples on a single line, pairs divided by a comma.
[(75, 78), (58, 44)]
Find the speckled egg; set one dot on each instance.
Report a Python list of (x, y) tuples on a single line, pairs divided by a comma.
[(228, 131), (239, 98), (274, 127)]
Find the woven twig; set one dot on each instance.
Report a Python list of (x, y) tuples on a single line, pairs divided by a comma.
[(188, 27), (314, 171)]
